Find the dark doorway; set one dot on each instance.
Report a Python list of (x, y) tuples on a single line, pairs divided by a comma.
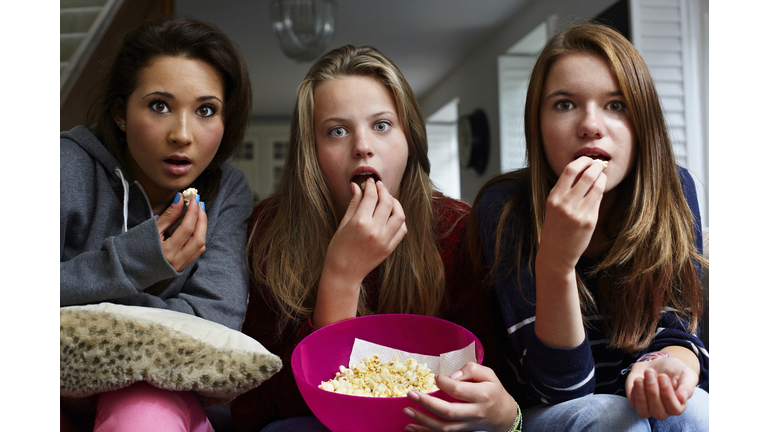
[(617, 17)]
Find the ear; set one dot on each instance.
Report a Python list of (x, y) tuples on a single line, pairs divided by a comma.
[(118, 113)]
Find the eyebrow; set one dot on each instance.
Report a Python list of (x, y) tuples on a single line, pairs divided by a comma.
[(170, 96), (567, 93), (379, 114), (339, 119)]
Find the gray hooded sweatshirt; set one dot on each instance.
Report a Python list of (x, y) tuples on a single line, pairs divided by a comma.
[(110, 247)]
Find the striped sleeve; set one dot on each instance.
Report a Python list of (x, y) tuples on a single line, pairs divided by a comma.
[(672, 330)]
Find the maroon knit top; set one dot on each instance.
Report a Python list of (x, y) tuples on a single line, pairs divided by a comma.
[(466, 303)]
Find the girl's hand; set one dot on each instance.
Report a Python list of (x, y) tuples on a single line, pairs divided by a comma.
[(485, 404), (372, 227), (188, 240), (569, 224), (572, 211), (661, 387)]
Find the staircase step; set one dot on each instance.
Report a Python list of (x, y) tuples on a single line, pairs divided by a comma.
[(69, 44), (78, 20), (81, 3)]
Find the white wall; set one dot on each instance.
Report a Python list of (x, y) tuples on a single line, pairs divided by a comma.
[(476, 81)]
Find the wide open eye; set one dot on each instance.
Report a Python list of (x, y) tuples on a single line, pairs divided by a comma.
[(564, 105), (382, 126), (616, 106), (207, 110), (159, 106), (337, 132)]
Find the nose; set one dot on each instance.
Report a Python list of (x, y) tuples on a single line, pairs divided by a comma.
[(180, 132), (362, 145), (592, 124)]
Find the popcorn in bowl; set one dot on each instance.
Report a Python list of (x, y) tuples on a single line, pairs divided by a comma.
[(432, 341), (374, 378)]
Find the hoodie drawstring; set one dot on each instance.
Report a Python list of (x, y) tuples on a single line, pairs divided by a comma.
[(125, 198)]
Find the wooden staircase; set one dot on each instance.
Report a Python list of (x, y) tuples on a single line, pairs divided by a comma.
[(90, 33)]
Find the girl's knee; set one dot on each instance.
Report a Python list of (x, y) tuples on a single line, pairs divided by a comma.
[(142, 407), (594, 413), (694, 418)]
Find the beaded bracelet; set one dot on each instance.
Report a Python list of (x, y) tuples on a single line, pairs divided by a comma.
[(518, 427), (646, 357)]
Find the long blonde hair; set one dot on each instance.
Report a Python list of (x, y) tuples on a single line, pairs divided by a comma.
[(651, 262), (290, 238)]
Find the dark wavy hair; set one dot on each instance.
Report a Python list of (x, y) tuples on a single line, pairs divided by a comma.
[(176, 37)]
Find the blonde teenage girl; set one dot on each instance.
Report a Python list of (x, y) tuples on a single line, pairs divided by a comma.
[(325, 249)]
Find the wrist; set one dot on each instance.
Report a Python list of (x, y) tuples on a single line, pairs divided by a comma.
[(517, 426), (337, 300), (341, 274), (551, 264), (647, 357), (686, 356)]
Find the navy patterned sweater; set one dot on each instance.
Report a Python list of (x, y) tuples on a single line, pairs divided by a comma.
[(536, 373)]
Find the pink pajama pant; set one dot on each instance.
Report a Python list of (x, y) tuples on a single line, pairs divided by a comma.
[(142, 407)]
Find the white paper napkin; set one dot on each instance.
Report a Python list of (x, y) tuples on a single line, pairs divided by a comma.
[(444, 364)]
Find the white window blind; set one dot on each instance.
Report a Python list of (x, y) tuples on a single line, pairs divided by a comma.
[(442, 136), (671, 36), (514, 72)]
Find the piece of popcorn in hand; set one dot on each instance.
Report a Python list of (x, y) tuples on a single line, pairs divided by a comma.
[(188, 194)]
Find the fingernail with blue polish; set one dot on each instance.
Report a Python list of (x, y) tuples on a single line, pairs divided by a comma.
[(197, 199), (202, 205), (176, 198)]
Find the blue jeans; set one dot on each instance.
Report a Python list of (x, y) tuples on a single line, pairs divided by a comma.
[(606, 413), (308, 424), (304, 424)]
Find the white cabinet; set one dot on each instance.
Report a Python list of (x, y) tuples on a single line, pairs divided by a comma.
[(262, 156)]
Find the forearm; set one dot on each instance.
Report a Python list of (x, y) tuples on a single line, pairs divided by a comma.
[(124, 266), (558, 311), (337, 297)]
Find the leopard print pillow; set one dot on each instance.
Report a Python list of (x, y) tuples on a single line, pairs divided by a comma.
[(107, 347)]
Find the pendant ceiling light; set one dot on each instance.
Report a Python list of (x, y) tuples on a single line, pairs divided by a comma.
[(304, 27)]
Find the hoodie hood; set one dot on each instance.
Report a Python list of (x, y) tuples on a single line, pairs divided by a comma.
[(86, 139), (119, 179)]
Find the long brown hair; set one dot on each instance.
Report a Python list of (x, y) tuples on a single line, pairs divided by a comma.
[(651, 263), (289, 240)]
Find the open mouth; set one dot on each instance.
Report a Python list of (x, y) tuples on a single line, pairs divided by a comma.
[(596, 157), (179, 162), (361, 177)]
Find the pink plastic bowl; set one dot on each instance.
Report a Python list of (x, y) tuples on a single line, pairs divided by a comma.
[(318, 357)]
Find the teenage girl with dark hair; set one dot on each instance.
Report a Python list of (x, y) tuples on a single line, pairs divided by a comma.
[(173, 108)]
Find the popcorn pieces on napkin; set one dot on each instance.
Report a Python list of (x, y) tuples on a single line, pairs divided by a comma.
[(372, 378)]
